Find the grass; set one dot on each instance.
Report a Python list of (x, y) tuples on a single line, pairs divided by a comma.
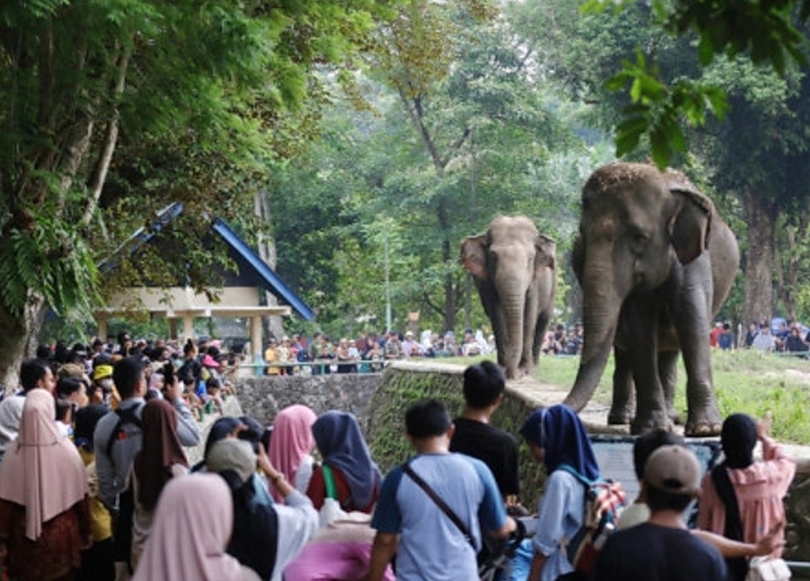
[(745, 381)]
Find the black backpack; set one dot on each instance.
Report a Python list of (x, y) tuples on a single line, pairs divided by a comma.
[(127, 416)]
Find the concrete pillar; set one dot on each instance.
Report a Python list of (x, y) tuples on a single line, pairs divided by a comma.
[(256, 341), (102, 327), (172, 328), (188, 326)]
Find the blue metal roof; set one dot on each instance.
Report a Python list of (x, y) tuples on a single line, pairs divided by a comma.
[(265, 274), (277, 286)]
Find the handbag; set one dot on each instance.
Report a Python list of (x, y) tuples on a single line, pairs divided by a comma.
[(767, 569)]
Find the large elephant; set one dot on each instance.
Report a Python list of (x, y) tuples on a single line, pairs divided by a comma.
[(655, 262), (513, 267)]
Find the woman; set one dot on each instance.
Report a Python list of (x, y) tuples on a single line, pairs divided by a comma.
[(44, 514), (224, 427), (160, 459), (557, 437), (755, 489), (291, 446), (193, 522), (265, 537), (346, 456)]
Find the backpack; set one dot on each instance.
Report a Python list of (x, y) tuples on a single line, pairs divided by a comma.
[(604, 500), (127, 416)]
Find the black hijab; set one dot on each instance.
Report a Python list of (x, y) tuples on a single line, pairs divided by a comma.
[(738, 437)]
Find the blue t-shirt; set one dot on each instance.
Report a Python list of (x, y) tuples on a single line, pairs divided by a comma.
[(431, 547)]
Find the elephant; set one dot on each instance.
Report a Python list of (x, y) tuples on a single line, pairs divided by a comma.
[(655, 262), (513, 266)]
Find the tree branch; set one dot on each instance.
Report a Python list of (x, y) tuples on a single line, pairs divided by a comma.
[(415, 115), (432, 305), (456, 146), (110, 140)]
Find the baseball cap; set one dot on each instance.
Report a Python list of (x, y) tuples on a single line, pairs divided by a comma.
[(232, 454), (673, 469)]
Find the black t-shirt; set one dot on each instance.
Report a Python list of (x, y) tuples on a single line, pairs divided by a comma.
[(650, 552), (494, 447)]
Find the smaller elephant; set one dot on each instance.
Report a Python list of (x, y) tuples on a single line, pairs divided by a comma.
[(513, 266)]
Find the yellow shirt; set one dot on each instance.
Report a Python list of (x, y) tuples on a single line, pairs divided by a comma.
[(100, 520)]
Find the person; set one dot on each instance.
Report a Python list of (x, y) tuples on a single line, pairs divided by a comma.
[(97, 561), (116, 441), (556, 437), (34, 373), (265, 537), (726, 339), (44, 514), (714, 336), (639, 512), (193, 522), (160, 459), (412, 526), (751, 334), (291, 446), (663, 548), (764, 341), (484, 386), (756, 488), (346, 357), (345, 452), (794, 342), (272, 357)]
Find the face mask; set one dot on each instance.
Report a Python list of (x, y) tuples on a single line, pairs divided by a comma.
[(106, 384)]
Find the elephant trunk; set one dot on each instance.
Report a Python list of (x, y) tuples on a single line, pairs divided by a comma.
[(513, 310), (601, 306)]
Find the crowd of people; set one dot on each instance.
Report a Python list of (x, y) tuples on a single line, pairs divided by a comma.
[(105, 491)]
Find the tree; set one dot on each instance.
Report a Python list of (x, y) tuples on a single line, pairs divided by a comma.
[(77, 77)]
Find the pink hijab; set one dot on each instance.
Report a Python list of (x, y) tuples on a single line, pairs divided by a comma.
[(193, 522), (42, 469), (292, 441)]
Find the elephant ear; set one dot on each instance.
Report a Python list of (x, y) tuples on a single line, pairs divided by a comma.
[(473, 255), (545, 251), (690, 224)]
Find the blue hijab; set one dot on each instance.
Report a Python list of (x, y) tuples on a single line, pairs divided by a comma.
[(559, 431), (342, 446)]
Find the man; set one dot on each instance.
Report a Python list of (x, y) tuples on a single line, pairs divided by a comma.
[(484, 385), (34, 373), (117, 439), (428, 544), (764, 341), (663, 548)]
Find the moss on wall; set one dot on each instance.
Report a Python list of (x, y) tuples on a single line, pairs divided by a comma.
[(403, 384)]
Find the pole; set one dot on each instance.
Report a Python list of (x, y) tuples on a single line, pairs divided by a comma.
[(468, 282), (387, 286)]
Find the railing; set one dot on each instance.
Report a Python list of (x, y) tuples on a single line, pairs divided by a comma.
[(321, 367)]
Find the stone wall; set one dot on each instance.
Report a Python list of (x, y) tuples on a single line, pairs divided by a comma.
[(379, 402)]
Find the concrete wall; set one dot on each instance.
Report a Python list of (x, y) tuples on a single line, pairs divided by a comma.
[(379, 402)]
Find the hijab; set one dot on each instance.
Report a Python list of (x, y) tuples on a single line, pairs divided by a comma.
[(342, 446), (292, 441), (42, 470), (559, 431), (254, 540), (193, 522), (86, 420), (160, 450), (738, 437)]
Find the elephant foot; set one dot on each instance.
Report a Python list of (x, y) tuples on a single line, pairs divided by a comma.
[(646, 422), (703, 425), (619, 416)]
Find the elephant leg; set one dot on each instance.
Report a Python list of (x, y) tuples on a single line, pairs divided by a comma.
[(642, 320), (692, 321), (621, 410), (668, 372)]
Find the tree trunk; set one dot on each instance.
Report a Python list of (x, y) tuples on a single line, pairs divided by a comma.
[(447, 259), (18, 340), (761, 216)]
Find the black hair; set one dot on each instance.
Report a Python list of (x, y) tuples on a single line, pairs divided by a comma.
[(189, 347), (127, 375), (213, 383), (427, 418), (43, 352), (67, 386), (484, 383), (63, 410), (648, 443), (663, 500), (32, 371)]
